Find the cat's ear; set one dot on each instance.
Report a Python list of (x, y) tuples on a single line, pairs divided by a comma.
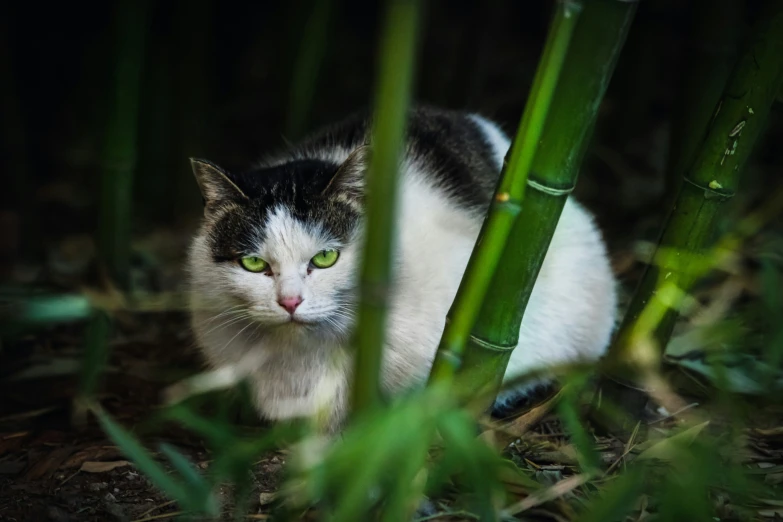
[(348, 182), (214, 183)]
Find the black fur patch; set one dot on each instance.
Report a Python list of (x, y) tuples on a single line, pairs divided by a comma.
[(298, 186), (449, 146)]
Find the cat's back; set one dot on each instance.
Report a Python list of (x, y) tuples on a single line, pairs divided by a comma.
[(455, 152)]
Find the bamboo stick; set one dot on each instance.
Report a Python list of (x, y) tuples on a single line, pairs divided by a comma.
[(712, 178), (598, 39), (397, 55), (119, 151), (310, 57), (506, 204), (119, 161), (714, 49), (193, 84)]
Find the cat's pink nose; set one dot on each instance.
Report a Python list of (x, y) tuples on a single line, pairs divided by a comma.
[(290, 303)]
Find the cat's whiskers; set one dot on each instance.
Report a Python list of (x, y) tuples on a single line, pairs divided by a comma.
[(233, 319), (228, 311), (236, 335)]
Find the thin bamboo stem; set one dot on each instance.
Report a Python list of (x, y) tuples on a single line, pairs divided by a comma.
[(119, 152), (397, 56), (311, 54), (598, 39), (506, 204), (714, 49), (119, 158), (712, 178), (194, 82)]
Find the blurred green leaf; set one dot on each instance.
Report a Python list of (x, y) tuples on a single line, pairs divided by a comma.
[(195, 483), (616, 499), (670, 447), (568, 410), (189, 500)]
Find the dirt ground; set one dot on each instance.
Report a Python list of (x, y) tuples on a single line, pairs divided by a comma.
[(53, 469)]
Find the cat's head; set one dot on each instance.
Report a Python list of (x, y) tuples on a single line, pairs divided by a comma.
[(279, 246)]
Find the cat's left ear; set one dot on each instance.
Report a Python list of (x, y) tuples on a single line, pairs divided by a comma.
[(214, 183), (348, 181)]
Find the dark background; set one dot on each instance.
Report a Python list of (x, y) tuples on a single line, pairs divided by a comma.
[(217, 83)]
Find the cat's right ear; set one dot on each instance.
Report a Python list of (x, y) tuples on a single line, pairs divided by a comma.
[(348, 182), (214, 183)]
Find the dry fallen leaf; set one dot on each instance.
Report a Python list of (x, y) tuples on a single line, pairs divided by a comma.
[(103, 467)]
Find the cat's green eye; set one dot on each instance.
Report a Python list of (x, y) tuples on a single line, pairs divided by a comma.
[(325, 258), (253, 264)]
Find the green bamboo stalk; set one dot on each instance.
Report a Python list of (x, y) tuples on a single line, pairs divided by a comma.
[(598, 39), (119, 152), (194, 81), (308, 64), (397, 56), (714, 48), (506, 204), (158, 154), (119, 162), (712, 178)]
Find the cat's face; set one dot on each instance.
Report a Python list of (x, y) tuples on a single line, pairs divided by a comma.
[(279, 246)]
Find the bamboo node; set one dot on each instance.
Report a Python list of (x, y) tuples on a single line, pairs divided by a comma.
[(713, 190), (502, 197), (550, 191), (492, 346)]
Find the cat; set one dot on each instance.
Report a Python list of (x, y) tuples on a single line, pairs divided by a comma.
[(274, 266)]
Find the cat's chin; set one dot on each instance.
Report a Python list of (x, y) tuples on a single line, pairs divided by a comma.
[(307, 327), (299, 323)]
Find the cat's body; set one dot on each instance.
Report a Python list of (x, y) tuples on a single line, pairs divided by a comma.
[(310, 200)]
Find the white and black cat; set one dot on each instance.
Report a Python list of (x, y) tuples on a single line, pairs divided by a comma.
[(274, 266)]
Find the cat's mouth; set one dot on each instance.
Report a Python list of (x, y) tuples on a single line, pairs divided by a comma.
[(302, 321)]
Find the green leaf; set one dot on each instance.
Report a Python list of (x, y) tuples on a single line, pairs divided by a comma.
[(568, 410), (143, 460), (616, 499), (671, 447), (510, 473), (201, 498)]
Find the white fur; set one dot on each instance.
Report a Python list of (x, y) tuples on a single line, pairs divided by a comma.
[(306, 370)]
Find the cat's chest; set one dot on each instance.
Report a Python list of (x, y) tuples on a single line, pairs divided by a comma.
[(297, 381)]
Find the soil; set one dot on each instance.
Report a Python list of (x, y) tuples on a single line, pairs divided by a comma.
[(52, 468)]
